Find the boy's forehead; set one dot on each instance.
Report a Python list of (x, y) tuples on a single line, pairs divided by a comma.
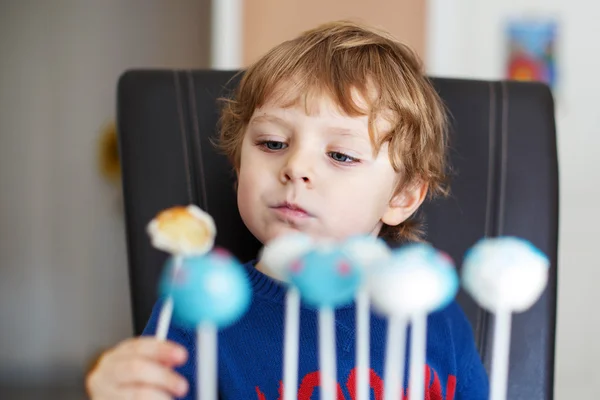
[(332, 121), (316, 98), (312, 105)]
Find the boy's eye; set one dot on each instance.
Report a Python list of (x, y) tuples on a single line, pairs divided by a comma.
[(341, 157), (273, 145)]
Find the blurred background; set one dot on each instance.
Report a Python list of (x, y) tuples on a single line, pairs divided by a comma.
[(64, 292)]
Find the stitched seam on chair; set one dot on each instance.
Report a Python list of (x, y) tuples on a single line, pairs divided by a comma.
[(182, 130), (503, 160), (482, 315), (491, 158), (196, 127)]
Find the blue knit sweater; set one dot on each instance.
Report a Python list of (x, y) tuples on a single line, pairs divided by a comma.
[(250, 352)]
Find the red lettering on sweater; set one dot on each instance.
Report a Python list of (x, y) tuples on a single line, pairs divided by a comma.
[(433, 386)]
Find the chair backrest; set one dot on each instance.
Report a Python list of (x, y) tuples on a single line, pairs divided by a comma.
[(503, 150)]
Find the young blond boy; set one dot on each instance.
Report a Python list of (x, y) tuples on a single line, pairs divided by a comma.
[(334, 133)]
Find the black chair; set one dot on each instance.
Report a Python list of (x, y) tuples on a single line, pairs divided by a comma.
[(506, 183)]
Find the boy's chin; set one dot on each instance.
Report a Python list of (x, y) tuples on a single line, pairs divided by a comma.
[(284, 229), (277, 230)]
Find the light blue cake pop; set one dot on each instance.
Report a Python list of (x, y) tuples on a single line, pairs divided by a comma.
[(418, 279), (505, 273), (211, 288), (326, 277)]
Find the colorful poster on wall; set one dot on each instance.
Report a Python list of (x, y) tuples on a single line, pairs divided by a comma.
[(531, 54)]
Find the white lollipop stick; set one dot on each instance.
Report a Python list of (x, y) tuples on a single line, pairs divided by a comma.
[(498, 384), (207, 362), (362, 344), (394, 358), (327, 354), (292, 332), (416, 386), (164, 318)]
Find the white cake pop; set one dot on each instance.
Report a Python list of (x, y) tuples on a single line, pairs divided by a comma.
[(367, 252), (277, 256), (418, 279), (505, 273), (415, 282)]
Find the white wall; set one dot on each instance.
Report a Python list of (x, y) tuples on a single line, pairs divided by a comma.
[(63, 278), (465, 40)]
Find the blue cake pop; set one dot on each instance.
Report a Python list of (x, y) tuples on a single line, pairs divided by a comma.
[(325, 277), (211, 288)]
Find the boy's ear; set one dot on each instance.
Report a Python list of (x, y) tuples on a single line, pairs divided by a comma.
[(405, 203)]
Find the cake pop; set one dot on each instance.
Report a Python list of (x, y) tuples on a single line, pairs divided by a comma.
[(504, 275), (180, 231)]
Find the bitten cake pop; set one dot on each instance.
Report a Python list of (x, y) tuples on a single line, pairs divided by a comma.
[(181, 231), (326, 279), (504, 275), (417, 281), (367, 252), (209, 292), (276, 258)]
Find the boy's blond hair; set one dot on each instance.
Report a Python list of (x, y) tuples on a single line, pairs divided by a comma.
[(337, 59)]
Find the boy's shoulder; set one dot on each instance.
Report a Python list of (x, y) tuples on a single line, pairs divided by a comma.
[(453, 322), (454, 314), (451, 327)]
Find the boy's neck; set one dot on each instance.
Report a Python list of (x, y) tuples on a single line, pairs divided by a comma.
[(264, 271)]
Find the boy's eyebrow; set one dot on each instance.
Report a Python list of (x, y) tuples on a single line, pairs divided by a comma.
[(336, 130), (345, 132), (351, 134), (268, 118)]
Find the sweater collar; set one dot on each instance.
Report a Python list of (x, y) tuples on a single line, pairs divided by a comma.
[(265, 287)]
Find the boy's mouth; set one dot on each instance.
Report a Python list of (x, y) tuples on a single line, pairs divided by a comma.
[(291, 210)]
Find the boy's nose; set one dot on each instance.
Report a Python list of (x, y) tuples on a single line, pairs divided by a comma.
[(292, 177), (297, 168)]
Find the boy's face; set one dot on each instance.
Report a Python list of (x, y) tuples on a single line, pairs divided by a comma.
[(317, 173)]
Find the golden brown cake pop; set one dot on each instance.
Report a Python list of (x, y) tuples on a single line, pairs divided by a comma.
[(183, 230)]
